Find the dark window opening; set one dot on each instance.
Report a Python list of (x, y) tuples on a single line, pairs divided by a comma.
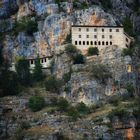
[(75, 42), (87, 42), (42, 61), (95, 43), (99, 43), (32, 61), (79, 42), (117, 30), (107, 43), (103, 43), (91, 43), (103, 36), (110, 30), (83, 42)]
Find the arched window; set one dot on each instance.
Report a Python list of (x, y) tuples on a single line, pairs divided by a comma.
[(79, 42), (32, 62), (107, 43), (99, 43), (110, 42), (75, 42), (87, 42), (91, 43), (103, 43), (95, 43), (42, 61), (83, 42)]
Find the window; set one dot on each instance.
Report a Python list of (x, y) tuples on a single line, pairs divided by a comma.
[(103, 43), (45, 59), (95, 30), (107, 43), (87, 42), (110, 42), (102, 30), (79, 36), (32, 61), (87, 29), (117, 30), (95, 43), (103, 36), (99, 43), (110, 30), (79, 42), (95, 36), (87, 36), (79, 29), (83, 42), (91, 43), (42, 61), (75, 42), (110, 36), (126, 40)]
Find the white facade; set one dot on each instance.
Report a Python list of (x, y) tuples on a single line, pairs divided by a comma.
[(45, 62), (84, 37)]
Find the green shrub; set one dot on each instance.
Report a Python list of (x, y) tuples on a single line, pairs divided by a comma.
[(63, 104), (130, 88), (114, 100), (106, 4), (9, 84), (93, 51), (73, 113), (19, 134), (68, 39), (128, 26), (100, 72), (82, 108), (66, 77), (23, 72), (36, 103), (52, 84), (127, 51), (118, 112), (71, 50), (37, 72), (79, 59), (27, 25)]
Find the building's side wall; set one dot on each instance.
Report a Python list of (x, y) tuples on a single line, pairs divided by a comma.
[(97, 37)]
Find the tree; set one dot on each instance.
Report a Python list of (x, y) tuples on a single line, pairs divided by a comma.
[(36, 103), (73, 113), (128, 26), (23, 72), (79, 59), (63, 104), (38, 74), (71, 50), (93, 51), (82, 108), (128, 51), (52, 84)]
